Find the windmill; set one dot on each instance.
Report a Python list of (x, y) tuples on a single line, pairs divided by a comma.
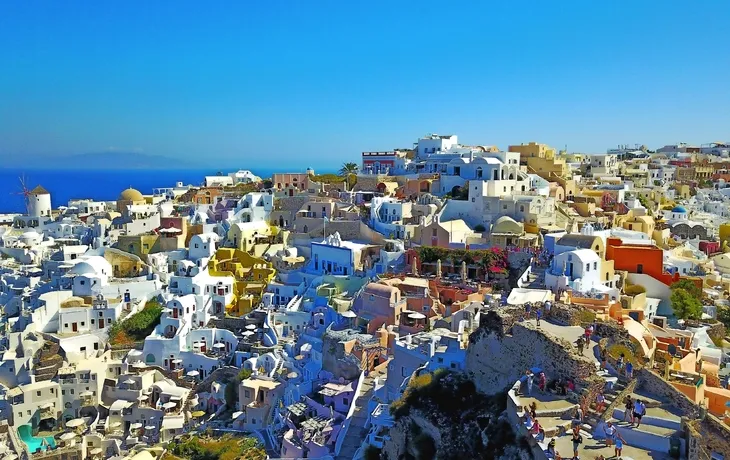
[(25, 192)]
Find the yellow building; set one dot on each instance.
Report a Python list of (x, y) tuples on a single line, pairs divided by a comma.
[(129, 197), (252, 274), (246, 235), (124, 264), (724, 232), (139, 245), (532, 150)]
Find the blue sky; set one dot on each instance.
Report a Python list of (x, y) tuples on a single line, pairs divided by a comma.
[(316, 82)]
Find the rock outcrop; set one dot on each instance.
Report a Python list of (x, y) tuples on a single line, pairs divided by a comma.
[(502, 349)]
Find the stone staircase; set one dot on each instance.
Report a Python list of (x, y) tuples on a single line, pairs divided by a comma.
[(357, 431), (536, 278)]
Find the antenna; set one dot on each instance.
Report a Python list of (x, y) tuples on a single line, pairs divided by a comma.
[(25, 192)]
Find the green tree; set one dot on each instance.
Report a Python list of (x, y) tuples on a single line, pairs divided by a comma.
[(685, 305), (723, 315), (244, 374), (347, 171), (688, 286)]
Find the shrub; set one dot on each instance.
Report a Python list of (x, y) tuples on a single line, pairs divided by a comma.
[(617, 349), (224, 448), (138, 326), (587, 317), (634, 290), (244, 374)]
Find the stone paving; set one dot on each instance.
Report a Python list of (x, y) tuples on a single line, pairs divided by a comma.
[(592, 448)]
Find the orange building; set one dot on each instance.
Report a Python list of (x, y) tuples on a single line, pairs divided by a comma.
[(639, 258)]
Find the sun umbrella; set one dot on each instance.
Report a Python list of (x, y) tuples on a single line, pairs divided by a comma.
[(219, 345), (193, 374), (169, 405), (251, 327), (67, 436), (198, 413), (86, 393), (176, 361), (249, 333), (150, 427), (135, 426), (77, 422), (417, 316), (129, 382)]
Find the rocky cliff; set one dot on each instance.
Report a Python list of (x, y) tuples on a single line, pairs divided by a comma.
[(502, 349), (442, 416)]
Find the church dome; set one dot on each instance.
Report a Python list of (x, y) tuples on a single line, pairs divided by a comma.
[(679, 209), (130, 195)]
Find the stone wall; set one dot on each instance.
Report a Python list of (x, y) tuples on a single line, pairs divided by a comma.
[(569, 315), (708, 436), (501, 350), (612, 331), (653, 384), (223, 375)]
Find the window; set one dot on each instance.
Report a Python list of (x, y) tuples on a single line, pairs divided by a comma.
[(82, 282), (63, 392), (588, 267), (345, 401), (83, 323), (96, 345), (37, 393), (92, 321), (595, 265), (247, 393)]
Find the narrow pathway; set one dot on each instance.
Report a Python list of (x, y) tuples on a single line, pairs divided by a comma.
[(355, 436)]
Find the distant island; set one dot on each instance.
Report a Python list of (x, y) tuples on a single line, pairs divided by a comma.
[(101, 160)]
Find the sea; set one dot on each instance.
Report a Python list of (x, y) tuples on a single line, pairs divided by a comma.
[(102, 185)]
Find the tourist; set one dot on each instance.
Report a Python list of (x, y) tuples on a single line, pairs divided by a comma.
[(588, 334), (537, 431), (604, 359), (619, 444), (541, 382), (629, 370), (578, 415), (547, 306), (560, 386), (600, 403), (569, 386), (639, 411), (579, 343), (530, 376), (528, 307), (577, 440), (551, 448), (538, 315), (610, 431), (628, 410), (620, 363)]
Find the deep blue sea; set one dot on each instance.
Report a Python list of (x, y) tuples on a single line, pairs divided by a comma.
[(98, 185)]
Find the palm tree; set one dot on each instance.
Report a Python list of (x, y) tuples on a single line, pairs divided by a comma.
[(347, 170)]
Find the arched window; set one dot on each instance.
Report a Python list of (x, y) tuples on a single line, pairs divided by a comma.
[(479, 172), (150, 359), (306, 229)]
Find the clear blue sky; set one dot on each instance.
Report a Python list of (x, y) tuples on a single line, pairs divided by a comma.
[(316, 82)]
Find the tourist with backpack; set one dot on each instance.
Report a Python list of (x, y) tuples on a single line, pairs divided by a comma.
[(577, 441)]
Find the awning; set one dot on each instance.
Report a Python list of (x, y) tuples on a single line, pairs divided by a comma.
[(173, 423)]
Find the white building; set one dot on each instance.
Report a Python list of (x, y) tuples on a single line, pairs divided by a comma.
[(39, 203), (243, 176), (580, 271)]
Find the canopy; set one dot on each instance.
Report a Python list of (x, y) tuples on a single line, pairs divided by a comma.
[(75, 422), (129, 382), (177, 361), (251, 327), (67, 436), (198, 413), (193, 373), (46, 405), (417, 316)]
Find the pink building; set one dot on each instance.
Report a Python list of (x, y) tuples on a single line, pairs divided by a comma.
[(379, 304)]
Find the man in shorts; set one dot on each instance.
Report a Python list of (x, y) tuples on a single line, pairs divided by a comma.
[(639, 411)]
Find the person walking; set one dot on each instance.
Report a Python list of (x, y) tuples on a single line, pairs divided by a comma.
[(629, 410), (600, 403), (619, 445), (577, 440), (639, 411), (538, 315), (610, 431), (528, 307), (629, 370), (530, 376), (579, 343), (541, 382), (604, 359)]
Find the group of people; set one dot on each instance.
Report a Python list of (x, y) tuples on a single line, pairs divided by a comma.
[(634, 411), (530, 381), (540, 310), (531, 423)]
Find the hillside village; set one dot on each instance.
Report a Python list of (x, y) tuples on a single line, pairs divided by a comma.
[(441, 301)]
